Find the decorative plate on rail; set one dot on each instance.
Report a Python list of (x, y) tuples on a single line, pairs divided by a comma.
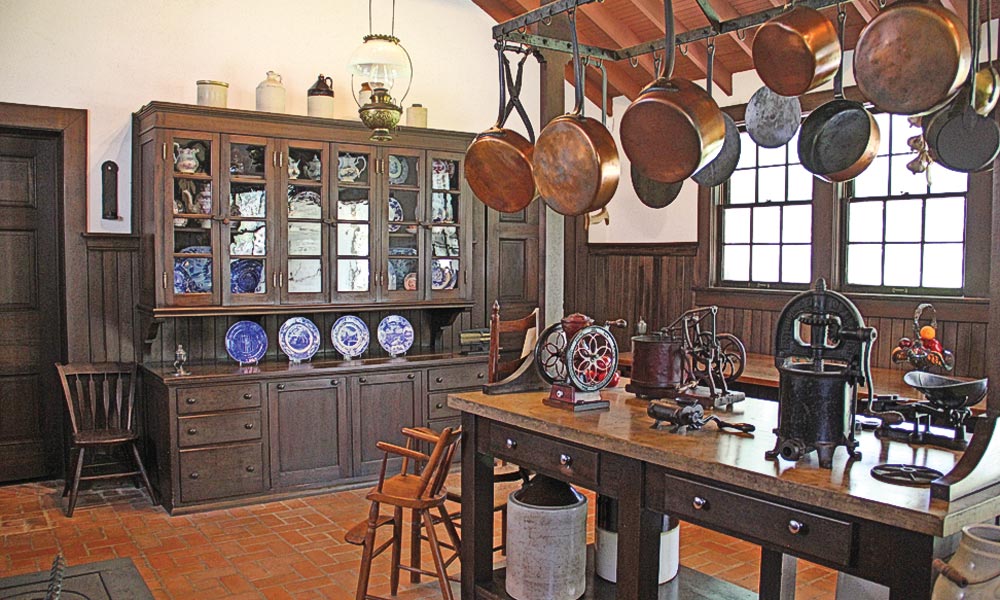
[(395, 335), (350, 336), (193, 275), (246, 276), (299, 338), (398, 170), (395, 213), (246, 342)]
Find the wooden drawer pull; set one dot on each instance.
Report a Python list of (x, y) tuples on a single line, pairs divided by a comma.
[(480, 375), (281, 386), (411, 375), (194, 475), (439, 405), (439, 379), (334, 382), (363, 380), (248, 426), (248, 396), (796, 527), (193, 431), (191, 400), (699, 503), (565, 460), (511, 444), (251, 468)]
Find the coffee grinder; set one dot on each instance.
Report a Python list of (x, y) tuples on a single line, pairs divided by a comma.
[(822, 350)]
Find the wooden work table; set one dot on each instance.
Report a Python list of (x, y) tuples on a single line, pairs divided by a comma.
[(846, 519)]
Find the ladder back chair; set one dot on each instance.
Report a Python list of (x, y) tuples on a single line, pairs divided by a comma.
[(499, 369), (420, 491), (100, 399)]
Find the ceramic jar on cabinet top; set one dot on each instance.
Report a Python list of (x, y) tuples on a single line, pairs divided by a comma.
[(271, 94), (320, 98), (973, 573)]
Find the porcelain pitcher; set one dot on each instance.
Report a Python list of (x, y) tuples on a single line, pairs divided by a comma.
[(185, 159), (973, 573)]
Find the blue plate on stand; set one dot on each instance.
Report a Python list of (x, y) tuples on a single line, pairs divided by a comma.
[(246, 342), (299, 339), (395, 335), (350, 336), (245, 276)]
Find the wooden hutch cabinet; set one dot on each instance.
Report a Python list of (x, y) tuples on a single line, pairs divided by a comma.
[(248, 215)]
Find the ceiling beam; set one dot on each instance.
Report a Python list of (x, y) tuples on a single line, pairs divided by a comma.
[(619, 34), (724, 10), (864, 9), (697, 54)]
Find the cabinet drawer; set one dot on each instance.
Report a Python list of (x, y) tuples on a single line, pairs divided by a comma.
[(217, 397), (215, 429), (437, 406), (797, 531), (212, 473), (579, 465), (461, 376)]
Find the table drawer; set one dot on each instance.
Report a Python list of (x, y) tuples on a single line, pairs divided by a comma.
[(796, 531), (562, 459), (217, 397), (215, 429), (437, 406), (212, 473), (461, 376)]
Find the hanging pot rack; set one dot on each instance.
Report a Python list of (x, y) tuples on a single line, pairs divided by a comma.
[(514, 30)]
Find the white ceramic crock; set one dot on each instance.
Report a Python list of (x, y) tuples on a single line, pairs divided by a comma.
[(978, 561), (271, 94)]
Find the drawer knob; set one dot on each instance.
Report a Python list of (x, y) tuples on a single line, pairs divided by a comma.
[(193, 431), (480, 375), (565, 459), (363, 380), (439, 405), (795, 527), (411, 375), (281, 386), (248, 426), (439, 379), (247, 396), (251, 468), (191, 400), (699, 503), (511, 444), (194, 475), (334, 382)]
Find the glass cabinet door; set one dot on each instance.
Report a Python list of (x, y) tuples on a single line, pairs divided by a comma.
[(249, 275), (354, 238), (402, 277), (191, 241), (448, 255), (306, 222)]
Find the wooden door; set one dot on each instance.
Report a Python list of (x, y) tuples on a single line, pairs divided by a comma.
[(305, 223), (309, 437), (382, 405), (30, 313), (354, 243), (402, 278)]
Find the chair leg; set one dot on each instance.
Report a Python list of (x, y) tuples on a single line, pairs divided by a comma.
[(366, 553), (142, 472), (397, 548), (69, 473), (449, 526), (436, 554), (75, 489), (415, 546)]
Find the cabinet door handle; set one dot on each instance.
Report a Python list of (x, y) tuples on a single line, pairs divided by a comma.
[(247, 396), (411, 376), (281, 279), (191, 400), (699, 503), (274, 159), (193, 431), (363, 380), (194, 475), (281, 386), (251, 468), (439, 379), (274, 279), (281, 159), (795, 527), (248, 426), (511, 444)]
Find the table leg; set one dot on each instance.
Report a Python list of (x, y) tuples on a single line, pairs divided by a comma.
[(777, 575), (638, 539), (477, 511), (911, 574)]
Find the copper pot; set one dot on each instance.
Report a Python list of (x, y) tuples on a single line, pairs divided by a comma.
[(674, 127), (912, 58), (575, 161), (498, 161), (796, 51)]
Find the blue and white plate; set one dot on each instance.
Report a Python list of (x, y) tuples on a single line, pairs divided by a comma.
[(299, 338), (350, 336), (246, 342), (395, 335), (246, 276), (193, 275), (395, 213), (399, 168)]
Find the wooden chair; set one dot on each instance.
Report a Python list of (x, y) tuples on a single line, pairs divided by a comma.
[(498, 369), (100, 399), (421, 492)]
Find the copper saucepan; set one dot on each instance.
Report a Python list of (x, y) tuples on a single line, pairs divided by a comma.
[(796, 51), (498, 161), (674, 127), (575, 162), (912, 58)]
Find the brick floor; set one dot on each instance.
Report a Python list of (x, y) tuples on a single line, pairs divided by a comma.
[(290, 549)]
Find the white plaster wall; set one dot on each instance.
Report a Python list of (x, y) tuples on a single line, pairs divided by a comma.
[(113, 56)]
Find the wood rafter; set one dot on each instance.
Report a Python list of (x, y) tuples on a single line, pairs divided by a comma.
[(723, 77)]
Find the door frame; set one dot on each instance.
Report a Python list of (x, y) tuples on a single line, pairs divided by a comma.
[(69, 126)]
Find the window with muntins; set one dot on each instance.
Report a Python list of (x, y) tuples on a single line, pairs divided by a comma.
[(905, 232), (766, 219)]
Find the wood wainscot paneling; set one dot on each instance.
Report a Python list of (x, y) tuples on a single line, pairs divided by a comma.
[(112, 289)]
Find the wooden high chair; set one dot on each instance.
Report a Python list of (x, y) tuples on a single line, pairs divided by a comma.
[(420, 491)]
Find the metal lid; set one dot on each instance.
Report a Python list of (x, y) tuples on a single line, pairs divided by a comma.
[(211, 82)]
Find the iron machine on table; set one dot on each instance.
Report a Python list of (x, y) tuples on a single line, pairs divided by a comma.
[(578, 359)]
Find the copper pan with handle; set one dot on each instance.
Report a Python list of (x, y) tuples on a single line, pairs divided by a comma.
[(575, 161), (498, 162), (796, 51), (674, 128), (912, 58)]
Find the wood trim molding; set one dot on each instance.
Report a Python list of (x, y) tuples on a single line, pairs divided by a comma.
[(70, 125), (111, 241), (662, 249)]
